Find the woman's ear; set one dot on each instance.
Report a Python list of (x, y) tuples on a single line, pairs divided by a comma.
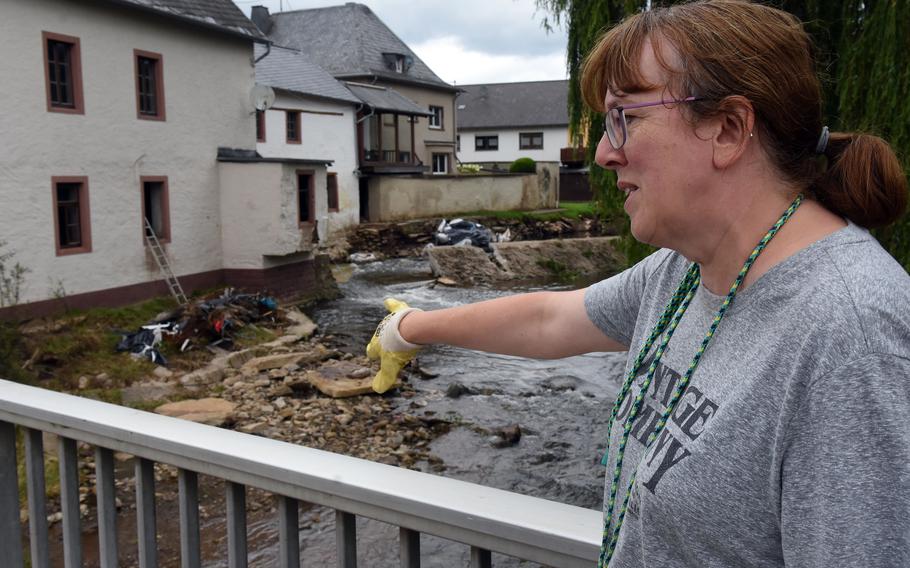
[(733, 131)]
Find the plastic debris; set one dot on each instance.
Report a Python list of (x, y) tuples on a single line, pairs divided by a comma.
[(209, 321), (457, 231)]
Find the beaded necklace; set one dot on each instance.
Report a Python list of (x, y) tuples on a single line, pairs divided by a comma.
[(668, 321)]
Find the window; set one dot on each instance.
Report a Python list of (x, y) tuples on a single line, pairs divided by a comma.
[(530, 140), (331, 187), (72, 228), (458, 142), (305, 206), (436, 117), (484, 143), (149, 85), (260, 126), (440, 164), (63, 73), (292, 119), (156, 207)]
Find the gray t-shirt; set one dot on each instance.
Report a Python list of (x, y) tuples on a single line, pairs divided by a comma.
[(791, 445)]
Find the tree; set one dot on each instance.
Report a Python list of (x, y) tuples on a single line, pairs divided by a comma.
[(863, 57)]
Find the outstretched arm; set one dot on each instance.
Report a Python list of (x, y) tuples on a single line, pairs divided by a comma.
[(541, 325)]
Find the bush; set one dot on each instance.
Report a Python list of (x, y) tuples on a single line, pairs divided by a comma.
[(523, 166)]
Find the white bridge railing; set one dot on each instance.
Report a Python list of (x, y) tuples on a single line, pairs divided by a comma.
[(486, 519)]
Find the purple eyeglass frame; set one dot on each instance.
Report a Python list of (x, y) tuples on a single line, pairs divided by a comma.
[(622, 115)]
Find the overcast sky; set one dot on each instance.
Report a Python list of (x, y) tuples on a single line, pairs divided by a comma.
[(464, 41)]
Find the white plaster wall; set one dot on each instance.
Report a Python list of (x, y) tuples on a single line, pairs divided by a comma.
[(207, 79), (323, 137), (554, 139), (259, 211)]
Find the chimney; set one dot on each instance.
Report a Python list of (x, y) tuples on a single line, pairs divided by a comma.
[(260, 17)]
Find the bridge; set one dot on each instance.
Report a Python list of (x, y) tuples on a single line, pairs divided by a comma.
[(482, 518)]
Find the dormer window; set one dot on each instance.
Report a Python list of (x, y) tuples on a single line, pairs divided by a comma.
[(398, 62)]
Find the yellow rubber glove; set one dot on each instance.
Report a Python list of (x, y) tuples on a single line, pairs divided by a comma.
[(389, 347)]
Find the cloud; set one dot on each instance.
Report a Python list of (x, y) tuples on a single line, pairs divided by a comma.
[(454, 62)]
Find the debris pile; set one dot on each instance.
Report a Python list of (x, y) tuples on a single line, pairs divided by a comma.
[(208, 322), (459, 232)]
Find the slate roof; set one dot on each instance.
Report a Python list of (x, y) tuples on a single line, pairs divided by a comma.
[(383, 99), (290, 70), (348, 41), (505, 105), (219, 15)]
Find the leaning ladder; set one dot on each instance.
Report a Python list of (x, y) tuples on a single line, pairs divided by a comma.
[(164, 264)]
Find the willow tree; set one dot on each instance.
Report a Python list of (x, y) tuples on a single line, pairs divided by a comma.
[(862, 49), (873, 82), (585, 21)]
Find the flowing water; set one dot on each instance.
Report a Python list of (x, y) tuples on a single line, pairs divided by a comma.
[(561, 407)]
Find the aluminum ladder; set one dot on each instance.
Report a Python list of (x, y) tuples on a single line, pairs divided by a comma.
[(151, 239)]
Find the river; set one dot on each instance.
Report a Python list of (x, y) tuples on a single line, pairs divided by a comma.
[(561, 406)]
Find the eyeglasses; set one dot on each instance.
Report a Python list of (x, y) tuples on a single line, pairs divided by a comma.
[(615, 126)]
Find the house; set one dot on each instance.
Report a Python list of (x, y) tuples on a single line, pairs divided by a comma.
[(128, 118), (501, 122), (406, 125), (312, 117)]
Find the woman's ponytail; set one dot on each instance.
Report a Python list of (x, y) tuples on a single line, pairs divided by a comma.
[(864, 181)]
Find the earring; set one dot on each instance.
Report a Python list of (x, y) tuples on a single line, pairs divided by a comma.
[(750, 135)]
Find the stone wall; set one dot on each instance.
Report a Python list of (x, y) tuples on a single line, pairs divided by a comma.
[(397, 198)]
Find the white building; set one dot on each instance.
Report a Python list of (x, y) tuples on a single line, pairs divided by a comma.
[(313, 117), (501, 122), (119, 111)]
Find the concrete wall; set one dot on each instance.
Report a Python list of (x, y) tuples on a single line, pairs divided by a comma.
[(554, 139), (398, 198), (327, 132), (432, 140), (207, 80), (259, 212)]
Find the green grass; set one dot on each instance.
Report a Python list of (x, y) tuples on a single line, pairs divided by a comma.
[(567, 210), (560, 271)]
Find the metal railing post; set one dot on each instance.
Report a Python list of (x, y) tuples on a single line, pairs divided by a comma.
[(10, 527), (288, 533), (236, 524), (188, 487), (145, 513), (346, 539), (37, 497), (105, 491), (481, 558), (409, 548), (69, 501)]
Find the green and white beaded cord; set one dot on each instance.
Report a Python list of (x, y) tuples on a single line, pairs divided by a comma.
[(667, 322)]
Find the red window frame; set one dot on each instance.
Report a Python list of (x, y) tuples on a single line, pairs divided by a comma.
[(165, 236), (85, 227), (142, 87), (74, 65), (311, 197), (260, 126)]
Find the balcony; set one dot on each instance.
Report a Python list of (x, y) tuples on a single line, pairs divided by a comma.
[(573, 156)]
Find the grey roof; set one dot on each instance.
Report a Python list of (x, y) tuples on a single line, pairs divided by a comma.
[(292, 71), (503, 105), (243, 155), (386, 100), (219, 15), (349, 41)]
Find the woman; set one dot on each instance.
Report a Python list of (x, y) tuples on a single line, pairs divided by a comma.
[(762, 421)]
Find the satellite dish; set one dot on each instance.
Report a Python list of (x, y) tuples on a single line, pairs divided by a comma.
[(262, 97)]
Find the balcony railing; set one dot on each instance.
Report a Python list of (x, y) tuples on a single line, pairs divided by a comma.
[(483, 518)]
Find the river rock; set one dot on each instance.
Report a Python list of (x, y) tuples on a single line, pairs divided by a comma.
[(563, 383), (457, 390), (507, 436), (145, 391), (211, 411), (334, 379), (303, 326)]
